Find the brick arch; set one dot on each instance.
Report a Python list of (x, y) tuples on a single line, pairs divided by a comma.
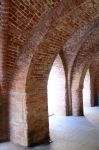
[(39, 52), (71, 50), (81, 65), (37, 102), (37, 80), (76, 90), (77, 97), (62, 28), (27, 41), (18, 81)]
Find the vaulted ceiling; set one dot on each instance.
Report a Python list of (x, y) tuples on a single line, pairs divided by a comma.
[(33, 32)]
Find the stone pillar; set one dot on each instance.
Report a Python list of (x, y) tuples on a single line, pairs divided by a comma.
[(77, 102)]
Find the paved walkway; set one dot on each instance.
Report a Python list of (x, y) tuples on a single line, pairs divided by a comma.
[(69, 133)]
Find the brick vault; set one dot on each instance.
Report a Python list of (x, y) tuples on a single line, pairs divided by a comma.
[(32, 34)]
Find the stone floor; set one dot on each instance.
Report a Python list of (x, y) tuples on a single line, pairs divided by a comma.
[(69, 133)]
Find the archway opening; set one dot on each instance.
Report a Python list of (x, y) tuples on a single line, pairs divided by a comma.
[(87, 90), (56, 89)]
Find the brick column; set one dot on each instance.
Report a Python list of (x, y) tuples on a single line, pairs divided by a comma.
[(38, 125), (18, 118), (4, 125), (29, 124), (77, 102)]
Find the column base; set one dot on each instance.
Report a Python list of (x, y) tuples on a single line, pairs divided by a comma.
[(44, 141)]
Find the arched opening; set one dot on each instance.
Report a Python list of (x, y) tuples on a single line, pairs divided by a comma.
[(56, 89), (87, 90)]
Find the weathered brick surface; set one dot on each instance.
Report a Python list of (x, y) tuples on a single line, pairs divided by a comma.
[(32, 33), (81, 64), (53, 42), (38, 99), (70, 51)]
